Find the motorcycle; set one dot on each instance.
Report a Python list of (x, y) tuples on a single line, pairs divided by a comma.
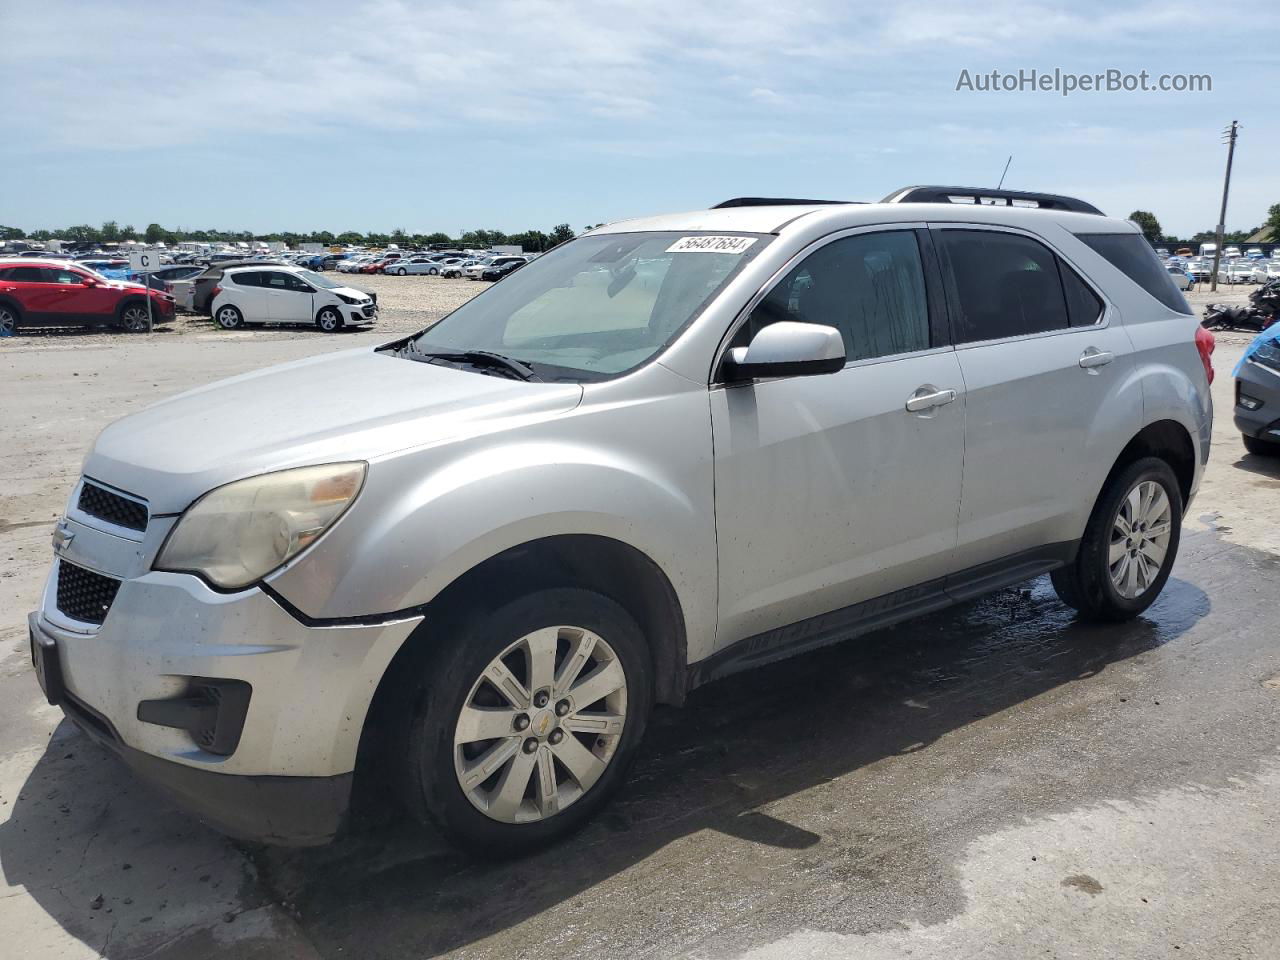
[(1222, 316)]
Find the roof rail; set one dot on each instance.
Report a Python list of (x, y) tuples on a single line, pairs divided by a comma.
[(983, 195), (774, 202)]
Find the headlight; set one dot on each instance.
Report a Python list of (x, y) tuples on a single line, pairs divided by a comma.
[(345, 299), (1267, 354), (237, 534)]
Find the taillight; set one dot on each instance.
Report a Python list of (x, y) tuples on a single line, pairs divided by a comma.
[(215, 291), (1205, 343)]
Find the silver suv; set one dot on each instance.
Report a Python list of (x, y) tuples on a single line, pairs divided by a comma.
[(669, 450)]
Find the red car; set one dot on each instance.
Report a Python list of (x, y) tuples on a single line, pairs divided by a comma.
[(60, 293)]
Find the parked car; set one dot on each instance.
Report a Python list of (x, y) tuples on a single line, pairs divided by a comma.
[(1181, 279), (486, 550), (455, 267), (203, 283), (1200, 269), (113, 268), (61, 293), (1239, 271), (501, 267), (246, 295), (1257, 391), (1264, 270), (410, 265)]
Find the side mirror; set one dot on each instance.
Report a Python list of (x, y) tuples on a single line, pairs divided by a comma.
[(88, 282), (787, 349)]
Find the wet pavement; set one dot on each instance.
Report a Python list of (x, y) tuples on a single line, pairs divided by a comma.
[(996, 780)]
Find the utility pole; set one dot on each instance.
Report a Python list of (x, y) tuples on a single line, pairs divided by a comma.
[(1230, 134), (1005, 171)]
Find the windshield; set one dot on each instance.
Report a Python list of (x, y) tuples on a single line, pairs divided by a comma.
[(318, 279), (598, 306)]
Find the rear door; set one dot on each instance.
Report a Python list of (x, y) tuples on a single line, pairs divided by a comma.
[(829, 490), (1050, 399), (34, 291), (250, 296)]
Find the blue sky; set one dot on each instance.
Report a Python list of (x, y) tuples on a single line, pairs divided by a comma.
[(513, 115)]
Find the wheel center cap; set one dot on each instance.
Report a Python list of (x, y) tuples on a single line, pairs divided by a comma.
[(542, 723)]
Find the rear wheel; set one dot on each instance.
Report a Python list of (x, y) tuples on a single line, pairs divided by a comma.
[(1129, 544), (134, 318), (433, 272), (329, 320), (528, 719), (1260, 447), (8, 320), (229, 317)]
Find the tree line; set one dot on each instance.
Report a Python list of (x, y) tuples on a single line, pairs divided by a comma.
[(534, 241), (1152, 230)]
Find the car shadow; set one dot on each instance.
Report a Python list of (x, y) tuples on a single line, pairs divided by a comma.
[(1264, 466), (752, 741)]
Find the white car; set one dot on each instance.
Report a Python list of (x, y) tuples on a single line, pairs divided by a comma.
[(1236, 272), (355, 263), (476, 267), (1264, 271), (1181, 279), (289, 295)]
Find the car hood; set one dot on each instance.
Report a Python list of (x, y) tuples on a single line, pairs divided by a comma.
[(354, 405), (350, 292)]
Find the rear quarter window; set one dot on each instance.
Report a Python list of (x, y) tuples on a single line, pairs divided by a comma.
[(1132, 255)]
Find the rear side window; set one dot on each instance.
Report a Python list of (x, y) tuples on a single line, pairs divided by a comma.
[(30, 275), (1003, 285), (869, 286), (250, 279), (1084, 308), (1132, 255)]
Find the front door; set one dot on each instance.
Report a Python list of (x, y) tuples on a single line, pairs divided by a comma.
[(288, 298), (829, 490)]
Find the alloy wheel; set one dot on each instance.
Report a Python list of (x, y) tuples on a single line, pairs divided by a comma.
[(228, 318), (135, 319), (540, 725), (8, 322), (1140, 539)]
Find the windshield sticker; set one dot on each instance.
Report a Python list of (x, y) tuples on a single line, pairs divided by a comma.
[(734, 245)]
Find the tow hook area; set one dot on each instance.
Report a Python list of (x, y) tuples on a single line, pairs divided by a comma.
[(212, 711)]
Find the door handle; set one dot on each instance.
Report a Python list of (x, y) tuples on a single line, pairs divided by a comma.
[(1093, 357), (928, 397)]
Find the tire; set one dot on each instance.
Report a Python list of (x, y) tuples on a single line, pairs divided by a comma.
[(483, 817), (1101, 588), (401, 272), (1255, 445), (433, 272), (330, 320), (133, 317), (229, 317), (8, 320)]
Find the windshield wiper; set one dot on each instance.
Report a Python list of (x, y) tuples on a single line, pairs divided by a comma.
[(479, 358)]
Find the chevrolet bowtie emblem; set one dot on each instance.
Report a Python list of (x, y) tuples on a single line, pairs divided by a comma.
[(62, 537)]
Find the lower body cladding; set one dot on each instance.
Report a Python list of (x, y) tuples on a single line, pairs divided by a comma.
[(248, 718)]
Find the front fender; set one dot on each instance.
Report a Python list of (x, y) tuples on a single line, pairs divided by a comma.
[(427, 517)]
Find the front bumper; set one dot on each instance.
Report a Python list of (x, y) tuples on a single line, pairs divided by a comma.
[(165, 633), (358, 316), (1260, 383)]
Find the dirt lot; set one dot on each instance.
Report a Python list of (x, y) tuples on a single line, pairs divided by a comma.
[(993, 781)]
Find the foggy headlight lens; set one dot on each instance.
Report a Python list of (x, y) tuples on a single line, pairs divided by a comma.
[(237, 534)]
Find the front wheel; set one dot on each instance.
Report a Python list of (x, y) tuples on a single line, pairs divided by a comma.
[(134, 318), (1129, 545), (402, 271), (433, 272), (529, 718), (329, 320)]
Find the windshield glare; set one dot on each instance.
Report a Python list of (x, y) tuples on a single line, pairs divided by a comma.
[(597, 306), (318, 279)]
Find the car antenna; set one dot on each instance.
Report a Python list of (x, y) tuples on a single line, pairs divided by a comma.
[(1006, 170)]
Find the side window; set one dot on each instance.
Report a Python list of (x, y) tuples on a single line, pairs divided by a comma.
[(1005, 285), (869, 286), (69, 277), (297, 284), (249, 279), (1132, 255), (30, 275), (1084, 309), (275, 281)]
